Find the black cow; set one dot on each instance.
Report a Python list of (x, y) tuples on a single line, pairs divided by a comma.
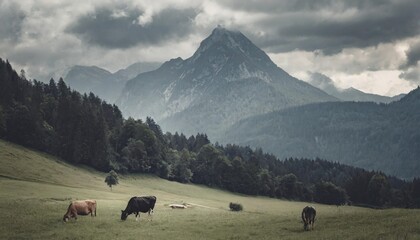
[(137, 205), (308, 217)]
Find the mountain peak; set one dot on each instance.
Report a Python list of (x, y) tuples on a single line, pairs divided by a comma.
[(227, 79), (220, 32), (222, 36), (229, 44)]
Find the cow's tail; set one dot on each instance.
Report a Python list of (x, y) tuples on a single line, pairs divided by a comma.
[(303, 216)]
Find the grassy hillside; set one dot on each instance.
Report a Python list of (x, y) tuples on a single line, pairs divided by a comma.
[(37, 188)]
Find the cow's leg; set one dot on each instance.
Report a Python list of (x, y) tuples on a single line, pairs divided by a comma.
[(137, 215), (151, 214)]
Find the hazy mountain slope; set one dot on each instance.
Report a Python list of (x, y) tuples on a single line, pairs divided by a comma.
[(94, 79), (368, 135), (135, 69), (103, 83), (325, 83), (87, 77), (227, 79)]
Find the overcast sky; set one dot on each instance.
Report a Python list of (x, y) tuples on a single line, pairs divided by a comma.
[(372, 45)]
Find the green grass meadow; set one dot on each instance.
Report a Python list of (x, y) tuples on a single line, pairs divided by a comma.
[(36, 189)]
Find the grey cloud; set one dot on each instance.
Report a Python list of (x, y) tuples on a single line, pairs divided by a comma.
[(412, 75), (413, 56), (411, 69), (103, 29), (321, 81), (282, 6), (11, 20), (303, 25)]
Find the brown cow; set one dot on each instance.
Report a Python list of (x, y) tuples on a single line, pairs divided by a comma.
[(308, 217), (81, 207)]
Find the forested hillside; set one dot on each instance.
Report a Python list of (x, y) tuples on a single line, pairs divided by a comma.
[(83, 129), (374, 136)]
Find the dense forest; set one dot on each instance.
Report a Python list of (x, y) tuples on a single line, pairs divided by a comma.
[(83, 129)]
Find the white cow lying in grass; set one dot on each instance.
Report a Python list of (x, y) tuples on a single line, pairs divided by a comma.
[(177, 206)]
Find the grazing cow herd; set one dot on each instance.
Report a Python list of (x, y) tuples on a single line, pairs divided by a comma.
[(146, 204)]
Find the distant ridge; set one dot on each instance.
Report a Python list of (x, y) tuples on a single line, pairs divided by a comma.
[(103, 83), (325, 83)]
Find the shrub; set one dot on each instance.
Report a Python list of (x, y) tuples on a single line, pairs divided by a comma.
[(235, 207)]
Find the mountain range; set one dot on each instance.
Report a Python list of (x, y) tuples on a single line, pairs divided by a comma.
[(227, 79), (325, 83), (232, 91), (103, 83), (373, 136)]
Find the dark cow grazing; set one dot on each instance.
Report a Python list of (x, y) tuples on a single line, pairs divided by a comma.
[(308, 217), (82, 207), (137, 205)]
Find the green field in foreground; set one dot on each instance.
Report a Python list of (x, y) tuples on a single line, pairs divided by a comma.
[(36, 190)]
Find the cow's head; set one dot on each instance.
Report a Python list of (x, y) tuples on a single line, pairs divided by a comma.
[(124, 215), (306, 225), (65, 218)]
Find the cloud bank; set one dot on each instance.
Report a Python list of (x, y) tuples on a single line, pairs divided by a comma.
[(361, 43)]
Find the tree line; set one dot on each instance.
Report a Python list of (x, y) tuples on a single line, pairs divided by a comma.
[(83, 129)]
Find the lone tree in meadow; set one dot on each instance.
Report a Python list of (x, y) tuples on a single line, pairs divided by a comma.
[(111, 179)]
